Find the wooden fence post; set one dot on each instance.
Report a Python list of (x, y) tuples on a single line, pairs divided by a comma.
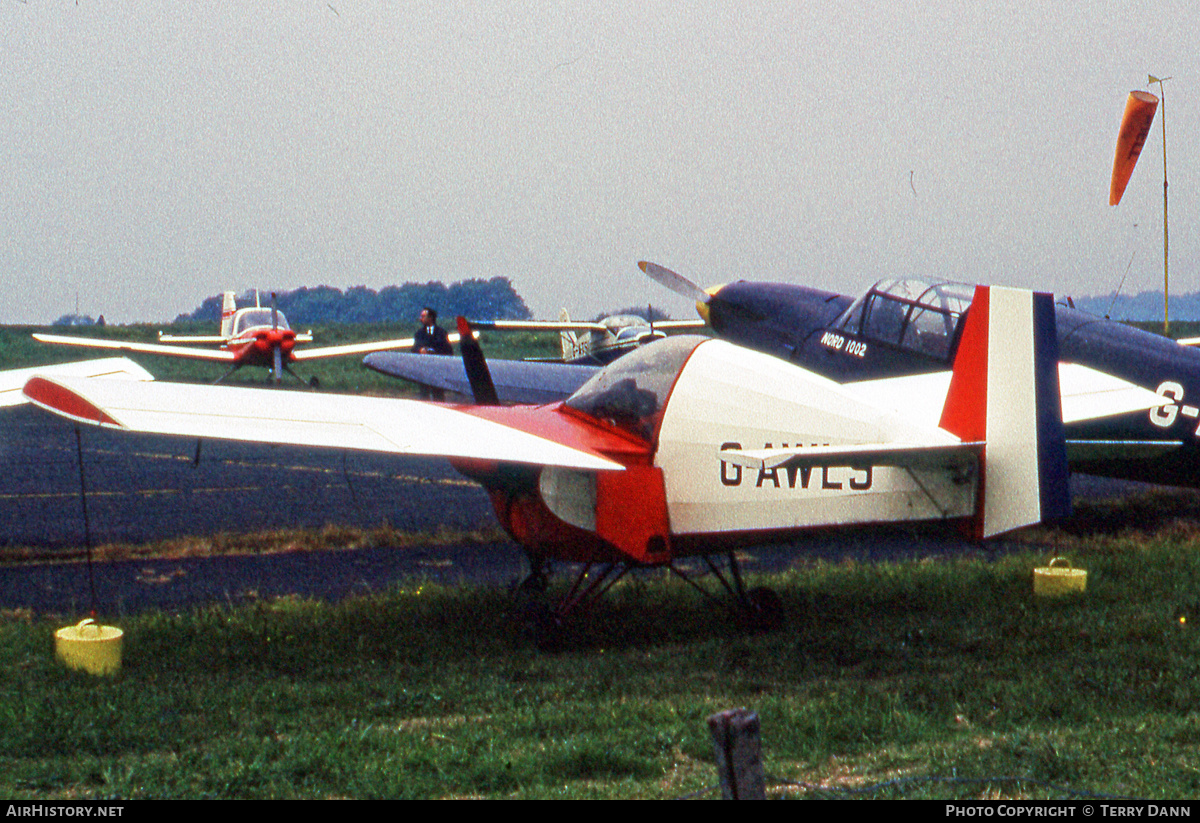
[(735, 734)]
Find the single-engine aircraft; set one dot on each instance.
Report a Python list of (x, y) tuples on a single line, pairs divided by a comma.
[(255, 336), (907, 327), (598, 342), (687, 446), (12, 381)]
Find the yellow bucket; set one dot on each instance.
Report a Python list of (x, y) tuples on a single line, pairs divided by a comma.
[(89, 646), (1058, 578)]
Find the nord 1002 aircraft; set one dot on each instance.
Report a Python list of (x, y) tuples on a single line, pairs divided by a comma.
[(906, 327), (689, 445), (254, 336), (598, 342)]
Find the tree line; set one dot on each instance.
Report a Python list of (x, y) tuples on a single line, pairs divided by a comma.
[(494, 299)]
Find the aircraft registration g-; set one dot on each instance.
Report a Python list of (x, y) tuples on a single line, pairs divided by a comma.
[(687, 446), (598, 342), (255, 336)]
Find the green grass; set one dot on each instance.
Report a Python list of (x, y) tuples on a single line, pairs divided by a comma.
[(923, 679)]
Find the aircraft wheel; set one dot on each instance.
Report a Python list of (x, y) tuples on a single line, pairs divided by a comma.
[(764, 608)]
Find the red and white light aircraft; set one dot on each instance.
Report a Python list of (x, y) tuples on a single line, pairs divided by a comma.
[(687, 446), (254, 336)]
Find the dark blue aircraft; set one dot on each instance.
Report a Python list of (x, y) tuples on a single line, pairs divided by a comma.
[(902, 327)]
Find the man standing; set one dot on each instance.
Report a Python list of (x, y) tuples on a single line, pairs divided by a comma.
[(431, 338)]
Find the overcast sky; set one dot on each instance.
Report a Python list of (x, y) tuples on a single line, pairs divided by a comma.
[(155, 153)]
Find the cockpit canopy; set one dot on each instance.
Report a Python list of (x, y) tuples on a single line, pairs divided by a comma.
[(256, 318), (632, 392), (910, 314)]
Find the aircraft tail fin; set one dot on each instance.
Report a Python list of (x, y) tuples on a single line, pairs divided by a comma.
[(1004, 392), (228, 307), (573, 347)]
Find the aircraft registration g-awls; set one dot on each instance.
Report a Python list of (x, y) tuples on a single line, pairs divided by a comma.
[(254, 336), (688, 446)]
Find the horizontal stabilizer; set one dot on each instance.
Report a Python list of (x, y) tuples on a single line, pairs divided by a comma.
[(901, 455), (192, 338)]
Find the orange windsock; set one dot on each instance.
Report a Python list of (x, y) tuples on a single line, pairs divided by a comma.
[(1135, 125)]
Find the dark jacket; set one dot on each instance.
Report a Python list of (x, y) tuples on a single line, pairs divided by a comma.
[(436, 341)]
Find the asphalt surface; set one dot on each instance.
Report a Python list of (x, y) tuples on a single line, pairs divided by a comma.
[(143, 488)]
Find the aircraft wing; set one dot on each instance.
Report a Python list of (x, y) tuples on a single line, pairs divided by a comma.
[(674, 325), (357, 348), (117, 368), (1087, 394), (576, 325), (1087, 451), (375, 424), (219, 355), (516, 381), (539, 325), (192, 338)]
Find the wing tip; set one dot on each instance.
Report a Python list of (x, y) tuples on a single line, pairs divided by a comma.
[(58, 399)]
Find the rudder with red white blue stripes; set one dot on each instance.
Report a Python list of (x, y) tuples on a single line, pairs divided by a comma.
[(1004, 392)]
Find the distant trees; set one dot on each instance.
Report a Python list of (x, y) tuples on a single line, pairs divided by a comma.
[(79, 320), (494, 299)]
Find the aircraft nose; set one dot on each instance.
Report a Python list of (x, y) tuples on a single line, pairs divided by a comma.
[(703, 307)]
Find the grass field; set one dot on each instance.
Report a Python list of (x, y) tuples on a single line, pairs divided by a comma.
[(922, 679), (934, 679)]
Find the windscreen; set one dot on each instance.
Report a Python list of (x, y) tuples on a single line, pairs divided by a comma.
[(252, 318), (909, 314), (631, 392)]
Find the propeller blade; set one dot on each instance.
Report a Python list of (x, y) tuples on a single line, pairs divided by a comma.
[(675, 282), (1135, 126), (278, 365), (274, 313), (482, 387)]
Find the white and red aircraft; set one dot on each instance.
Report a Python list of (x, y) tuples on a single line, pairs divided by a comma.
[(254, 336), (688, 446)]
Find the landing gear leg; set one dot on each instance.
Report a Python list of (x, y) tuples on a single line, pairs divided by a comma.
[(761, 607)]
